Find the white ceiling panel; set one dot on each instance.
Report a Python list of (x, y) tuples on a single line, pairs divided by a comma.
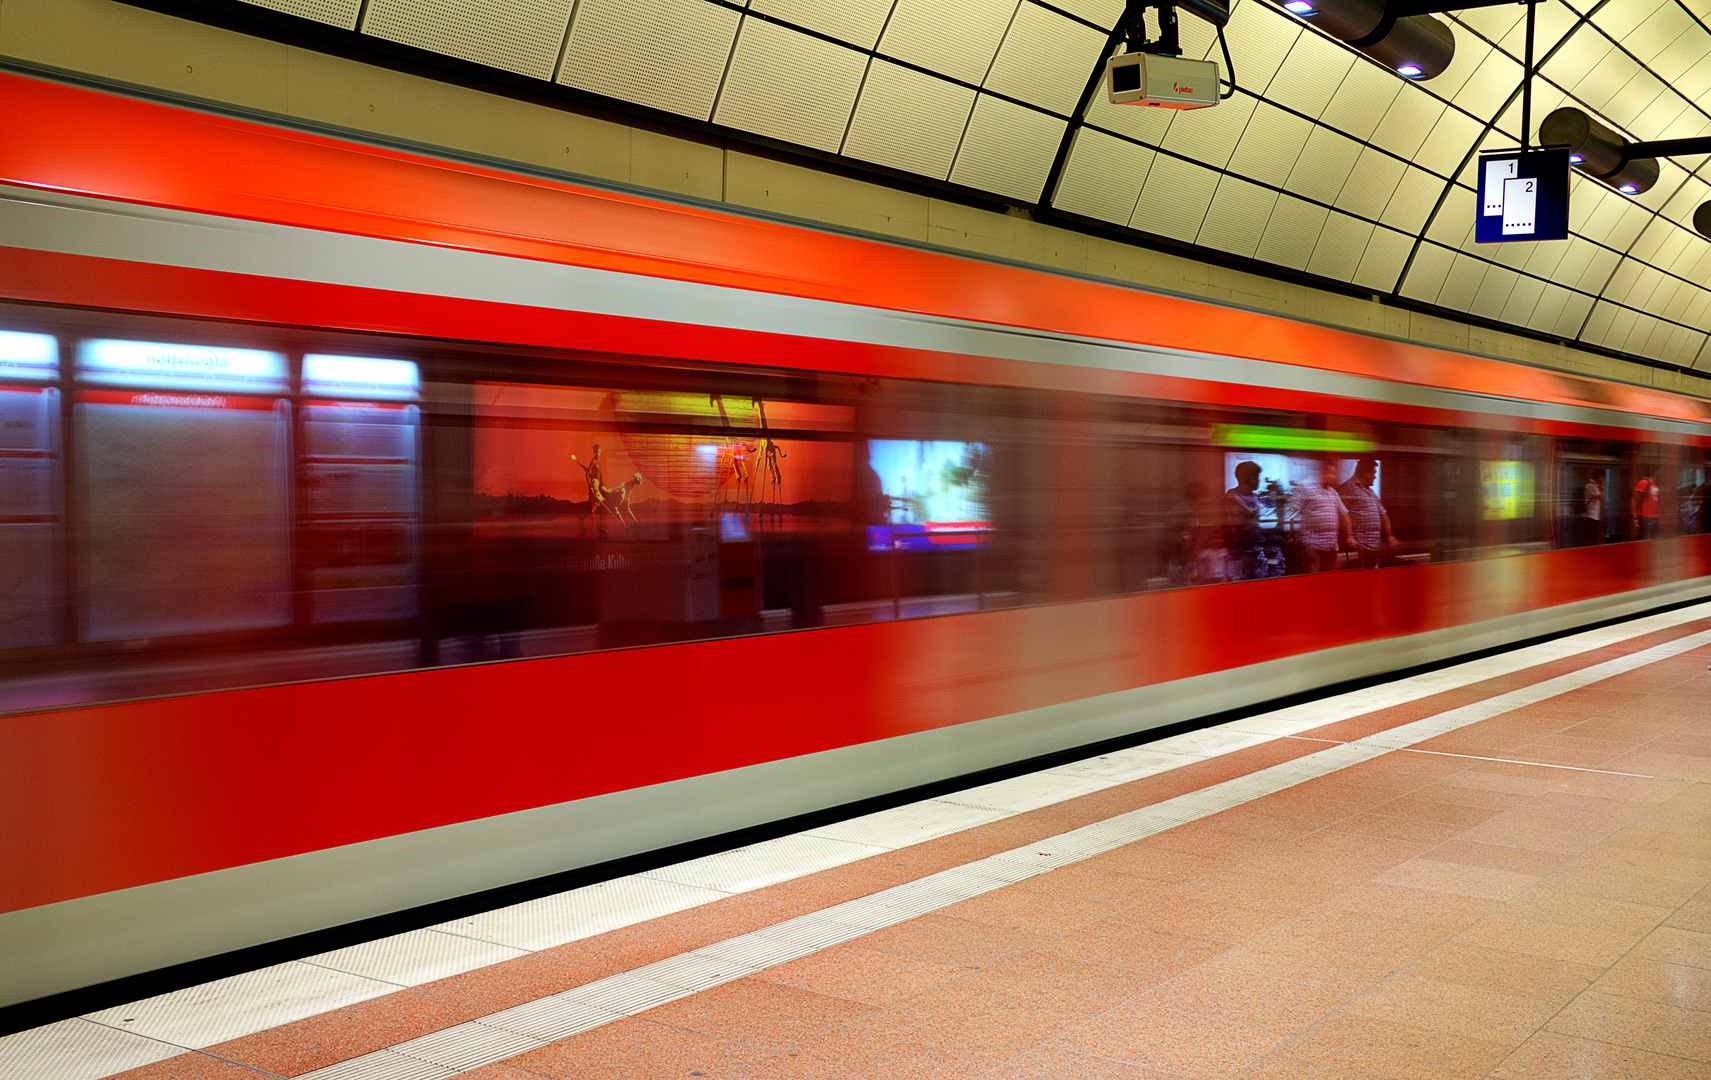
[(1271, 145), (1362, 101), (1619, 18), (1494, 292), (1007, 149), (669, 54), (957, 38), (1466, 278), (1491, 23), (339, 13), (1552, 22), (1430, 269), (790, 86), (1638, 96), (1415, 198), (1044, 59), (1523, 299), (1584, 49), (1446, 147), (1310, 74), (1470, 53), (1341, 244), (1599, 266), (1679, 57), (1173, 200), (1543, 259), (1597, 87), (1548, 311), (1237, 217), (521, 36), (855, 21), (1410, 119), (1259, 36), (1292, 234), (1103, 177), (1574, 313), (1103, 12), (908, 120), (1490, 85), (1454, 223), (1324, 166), (1371, 184), (1381, 265), (1211, 135)]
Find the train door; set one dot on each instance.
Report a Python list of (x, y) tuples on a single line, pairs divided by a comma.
[(184, 484), (29, 490), (358, 467)]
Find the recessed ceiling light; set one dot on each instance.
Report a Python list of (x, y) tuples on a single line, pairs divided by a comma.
[(1575, 159), (1628, 189), (1299, 7), (1411, 71)]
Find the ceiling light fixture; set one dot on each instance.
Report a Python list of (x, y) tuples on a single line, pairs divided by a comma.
[(1601, 153), (1400, 34)]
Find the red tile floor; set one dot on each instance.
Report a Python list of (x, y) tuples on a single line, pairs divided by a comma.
[(1526, 898)]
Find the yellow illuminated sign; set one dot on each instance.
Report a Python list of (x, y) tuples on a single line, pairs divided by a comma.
[(1508, 488)]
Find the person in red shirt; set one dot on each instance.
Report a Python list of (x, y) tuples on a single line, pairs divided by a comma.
[(1643, 507)]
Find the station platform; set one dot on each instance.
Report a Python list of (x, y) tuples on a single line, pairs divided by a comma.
[(1498, 869)]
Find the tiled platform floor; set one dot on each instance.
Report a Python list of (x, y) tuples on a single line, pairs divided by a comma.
[(1525, 896)]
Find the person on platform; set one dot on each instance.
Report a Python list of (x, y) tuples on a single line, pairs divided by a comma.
[(1643, 507), (1243, 537), (1324, 521), (1592, 514), (1369, 522)]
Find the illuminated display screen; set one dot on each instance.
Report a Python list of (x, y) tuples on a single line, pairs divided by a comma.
[(28, 356), (937, 494), (181, 367), (1508, 489), (364, 377), (1267, 437)]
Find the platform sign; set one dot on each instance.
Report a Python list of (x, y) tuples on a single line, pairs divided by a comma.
[(1523, 195)]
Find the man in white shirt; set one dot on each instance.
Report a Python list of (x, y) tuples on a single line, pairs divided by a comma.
[(1324, 521), (1369, 522)]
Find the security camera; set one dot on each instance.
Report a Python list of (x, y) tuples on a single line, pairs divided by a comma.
[(1165, 82)]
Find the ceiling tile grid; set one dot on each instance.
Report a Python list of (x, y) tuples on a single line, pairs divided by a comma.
[(1323, 161), (667, 54), (519, 36), (1043, 59), (762, 88), (857, 22), (340, 13), (1007, 149), (908, 120), (958, 38)]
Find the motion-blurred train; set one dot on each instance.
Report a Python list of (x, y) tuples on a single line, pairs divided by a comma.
[(380, 528)]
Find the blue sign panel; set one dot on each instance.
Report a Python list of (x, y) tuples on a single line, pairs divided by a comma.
[(1523, 195)]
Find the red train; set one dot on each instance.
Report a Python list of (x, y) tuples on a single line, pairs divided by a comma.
[(381, 528)]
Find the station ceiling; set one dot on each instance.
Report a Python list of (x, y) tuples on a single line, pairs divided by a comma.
[(1323, 161)]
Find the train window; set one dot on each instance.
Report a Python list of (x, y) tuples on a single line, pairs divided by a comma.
[(358, 467), (184, 479), (29, 490)]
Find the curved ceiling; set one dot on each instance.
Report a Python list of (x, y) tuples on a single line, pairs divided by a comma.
[(1323, 161)]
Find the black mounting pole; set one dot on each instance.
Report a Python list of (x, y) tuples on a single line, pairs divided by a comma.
[(1527, 81), (1700, 144)]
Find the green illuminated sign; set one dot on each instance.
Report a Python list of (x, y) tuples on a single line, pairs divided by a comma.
[(1264, 437)]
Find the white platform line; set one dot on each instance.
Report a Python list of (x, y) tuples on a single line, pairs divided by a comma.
[(592, 1005), (202, 1016)]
